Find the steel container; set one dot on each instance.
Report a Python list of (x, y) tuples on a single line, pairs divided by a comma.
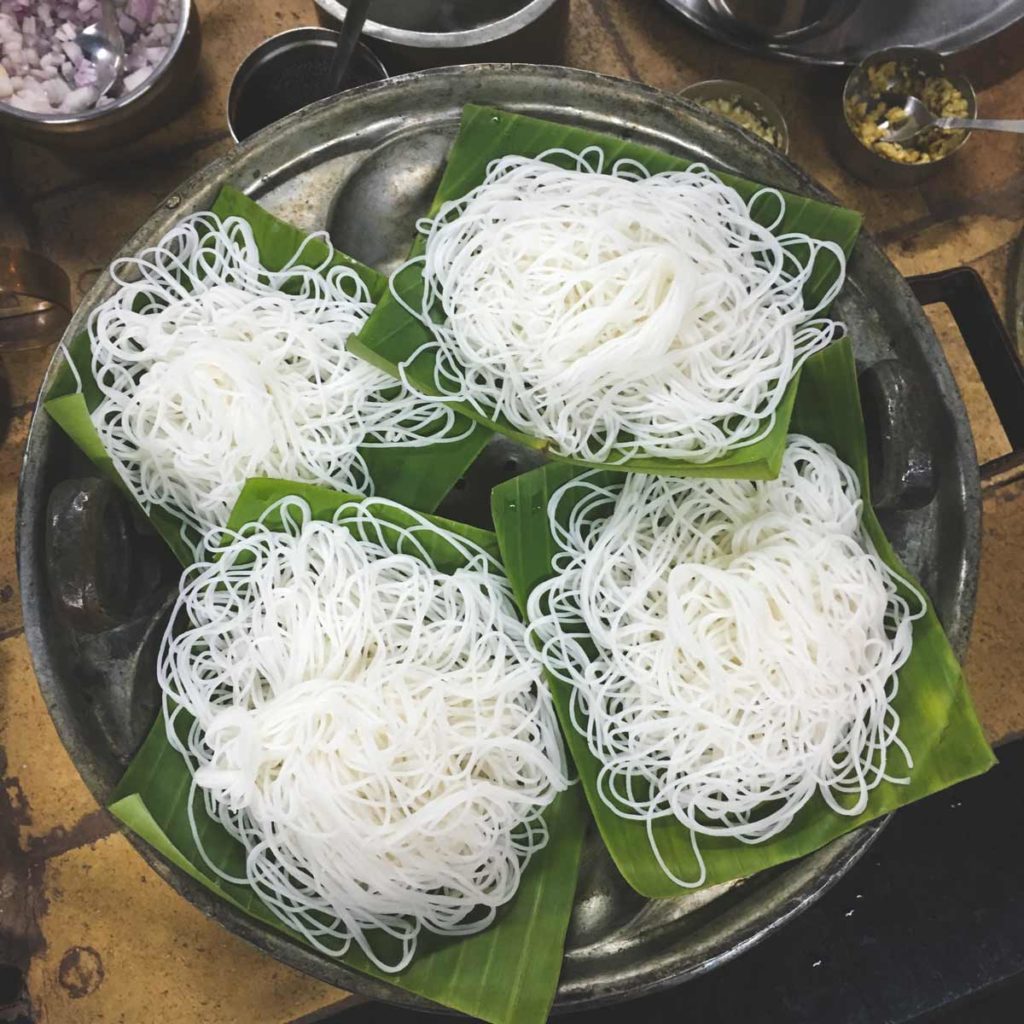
[(865, 163), (153, 104)]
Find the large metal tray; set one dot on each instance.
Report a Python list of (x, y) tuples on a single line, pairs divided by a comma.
[(946, 26), (383, 146)]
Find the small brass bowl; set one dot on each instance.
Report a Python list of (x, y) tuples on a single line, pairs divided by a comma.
[(745, 96), (865, 162)]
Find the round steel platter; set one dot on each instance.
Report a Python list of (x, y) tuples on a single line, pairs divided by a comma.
[(946, 26), (375, 153)]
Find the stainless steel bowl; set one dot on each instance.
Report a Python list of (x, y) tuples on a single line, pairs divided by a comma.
[(865, 163), (417, 34), (286, 73), (746, 96), (140, 111)]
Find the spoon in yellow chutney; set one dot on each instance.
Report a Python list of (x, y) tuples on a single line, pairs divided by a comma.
[(919, 118)]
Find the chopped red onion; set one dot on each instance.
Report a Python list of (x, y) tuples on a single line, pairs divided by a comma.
[(41, 65)]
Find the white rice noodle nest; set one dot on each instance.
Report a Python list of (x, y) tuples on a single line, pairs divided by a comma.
[(620, 314), (733, 647), (371, 729), (214, 369)]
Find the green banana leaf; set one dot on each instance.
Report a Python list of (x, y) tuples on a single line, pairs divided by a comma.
[(392, 335), (938, 721), (419, 477), (507, 974)]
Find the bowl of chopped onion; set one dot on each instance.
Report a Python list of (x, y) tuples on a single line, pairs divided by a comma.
[(48, 87)]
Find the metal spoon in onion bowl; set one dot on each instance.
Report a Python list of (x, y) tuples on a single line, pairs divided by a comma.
[(919, 117), (102, 45)]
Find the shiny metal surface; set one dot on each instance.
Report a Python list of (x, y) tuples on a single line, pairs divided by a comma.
[(916, 118), (35, 300), (374, 214), (784, 19), (946, 26), (747, 96), (411, 35), (129, 116), (919, 117), (619, 945)]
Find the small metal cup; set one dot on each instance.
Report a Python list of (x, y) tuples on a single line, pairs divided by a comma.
[(35, 300), (289, 71), (753, 99), (865, 163)]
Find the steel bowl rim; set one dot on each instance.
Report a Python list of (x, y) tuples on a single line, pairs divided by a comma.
[(489, 32), (98, 114), (790, 50), (850, 847)]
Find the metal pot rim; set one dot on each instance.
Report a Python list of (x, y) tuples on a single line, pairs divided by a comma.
[(479, 36)]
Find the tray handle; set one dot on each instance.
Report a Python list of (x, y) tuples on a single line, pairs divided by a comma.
[(991, 348)]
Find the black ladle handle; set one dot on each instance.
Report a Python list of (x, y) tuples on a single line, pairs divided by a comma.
[(351, 30)]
